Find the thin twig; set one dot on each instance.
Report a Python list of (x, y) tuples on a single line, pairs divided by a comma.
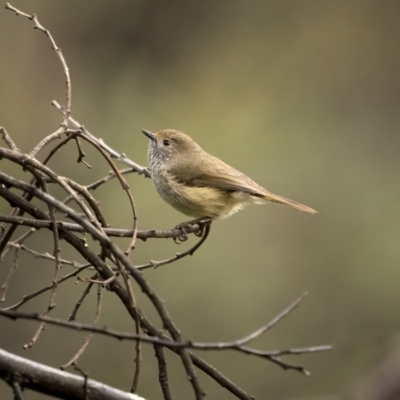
[(4, 287), (18, 395), (86, 342), (272, 323), (28, 297), (7, 138), (35, 337), (72, 316), (48, 139), (94, 204), (70, 136), (81, 154), (16, 242), (67, 110), (121, 179), (57, 257), (85, 382), (104, 283), (56, 252), (138, 357), (178, 256), (108, 177), (120, 157), (44, 256)]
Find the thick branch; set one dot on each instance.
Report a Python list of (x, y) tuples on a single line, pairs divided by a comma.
[(52, 381)]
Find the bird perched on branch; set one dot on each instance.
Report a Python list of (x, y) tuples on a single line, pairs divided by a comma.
[(199, 184)]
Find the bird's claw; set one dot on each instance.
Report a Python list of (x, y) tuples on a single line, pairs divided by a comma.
[(183, 236), (202, 223), (200, 231)]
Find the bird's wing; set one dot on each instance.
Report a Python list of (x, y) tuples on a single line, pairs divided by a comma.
[(212, 172), (209, 171)]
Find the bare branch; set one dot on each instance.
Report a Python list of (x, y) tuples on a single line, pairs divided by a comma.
[(82, 154), (48, 139), (233, 345), (162, 372), (72, 316), (143, 235), (53, 382), (6, 137), (56, 252), (6, 284), (28, 297), (35, 337), (85, 385), (124, 184), (120, 157), (94, 204), (272, 323), (45, 256), (178, 256), (67, 111), (86, 342)]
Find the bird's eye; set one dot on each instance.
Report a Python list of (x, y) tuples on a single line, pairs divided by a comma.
[(166, 142)]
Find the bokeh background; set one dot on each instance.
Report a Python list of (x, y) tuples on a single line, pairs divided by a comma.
[(303, 96)]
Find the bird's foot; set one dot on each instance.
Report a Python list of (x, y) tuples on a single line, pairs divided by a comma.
[(201, 222), (183, 236)]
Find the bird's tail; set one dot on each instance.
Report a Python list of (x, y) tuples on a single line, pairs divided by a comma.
[(287, 202)]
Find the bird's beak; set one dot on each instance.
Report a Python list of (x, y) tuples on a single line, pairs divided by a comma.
[(149, 134)]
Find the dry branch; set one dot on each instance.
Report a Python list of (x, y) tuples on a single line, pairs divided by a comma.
[(53, 382)]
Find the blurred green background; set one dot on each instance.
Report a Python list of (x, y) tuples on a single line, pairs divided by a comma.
[(302, 96)]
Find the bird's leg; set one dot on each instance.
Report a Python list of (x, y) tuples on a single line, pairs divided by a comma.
[(202, 222)]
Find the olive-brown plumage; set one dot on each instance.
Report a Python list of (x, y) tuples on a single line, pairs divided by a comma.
[(199, 184)]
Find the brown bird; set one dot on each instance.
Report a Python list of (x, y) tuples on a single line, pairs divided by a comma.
[(199, 184)]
